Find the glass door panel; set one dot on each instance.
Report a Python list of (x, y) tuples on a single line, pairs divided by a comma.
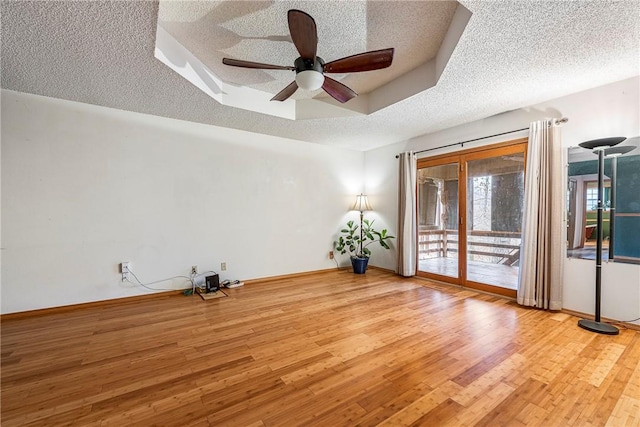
[(494, 203), (438, 240)]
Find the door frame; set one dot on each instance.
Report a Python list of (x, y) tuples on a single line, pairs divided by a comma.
[(462, 157)]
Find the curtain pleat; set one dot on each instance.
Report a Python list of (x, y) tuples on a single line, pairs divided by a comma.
[(543, 234), (407, 217)]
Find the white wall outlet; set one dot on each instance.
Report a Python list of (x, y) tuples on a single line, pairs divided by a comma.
[(124, 270), (330, 254), (194, 270), (223, 266)]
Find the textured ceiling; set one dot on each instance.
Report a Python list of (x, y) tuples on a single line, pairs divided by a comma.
[(512, 54), (229, 29)]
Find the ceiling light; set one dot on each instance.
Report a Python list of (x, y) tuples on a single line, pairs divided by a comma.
[(309, 80)]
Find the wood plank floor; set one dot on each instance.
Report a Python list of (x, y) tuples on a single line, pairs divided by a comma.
[(329, 349)]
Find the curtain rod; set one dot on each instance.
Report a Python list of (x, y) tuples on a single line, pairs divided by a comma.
[(557, 121)]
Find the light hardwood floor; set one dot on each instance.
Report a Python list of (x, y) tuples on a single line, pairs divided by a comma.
[(329, 349)]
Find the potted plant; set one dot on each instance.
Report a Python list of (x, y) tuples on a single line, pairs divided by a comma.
[(356, 243)]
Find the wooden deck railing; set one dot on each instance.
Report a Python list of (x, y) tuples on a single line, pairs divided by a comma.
[(502, 247)]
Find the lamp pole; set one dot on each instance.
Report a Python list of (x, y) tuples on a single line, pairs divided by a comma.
[(599, 146), (361, 231), (361, 204), (600, 232)]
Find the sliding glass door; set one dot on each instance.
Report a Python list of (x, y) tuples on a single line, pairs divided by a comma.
[(438, 220), (495, 196), (470, 217)]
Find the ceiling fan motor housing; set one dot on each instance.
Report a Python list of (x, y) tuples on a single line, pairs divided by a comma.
[(305, 64)]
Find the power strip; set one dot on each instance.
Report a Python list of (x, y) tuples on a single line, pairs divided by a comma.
[(234, 284)]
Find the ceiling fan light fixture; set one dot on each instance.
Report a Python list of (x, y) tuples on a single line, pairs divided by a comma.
[(310, 68), (310, 80)]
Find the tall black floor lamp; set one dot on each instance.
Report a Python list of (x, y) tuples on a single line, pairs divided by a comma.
[(599, 146)]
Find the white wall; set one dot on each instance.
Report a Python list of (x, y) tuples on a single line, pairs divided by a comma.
[(611, 110), (86, 187)]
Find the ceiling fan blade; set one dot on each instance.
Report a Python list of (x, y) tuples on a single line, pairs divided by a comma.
[(286, 92), (249, 64), (337, 90), (366, 61), (303, 33)]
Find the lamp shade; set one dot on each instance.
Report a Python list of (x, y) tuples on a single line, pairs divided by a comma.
[(361, 204), (618, 151), (602, 142), (309, 80)]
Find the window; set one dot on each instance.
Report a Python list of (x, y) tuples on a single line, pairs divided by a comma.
[(591, 198)]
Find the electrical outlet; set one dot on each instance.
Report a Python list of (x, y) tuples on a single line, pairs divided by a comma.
[(125, 270), (223, 266), (194, 270), (330, 254)]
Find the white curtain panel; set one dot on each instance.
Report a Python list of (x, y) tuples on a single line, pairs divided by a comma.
[(543, 232), (407, 216)]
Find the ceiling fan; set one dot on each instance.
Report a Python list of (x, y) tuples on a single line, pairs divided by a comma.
[(310, 69)]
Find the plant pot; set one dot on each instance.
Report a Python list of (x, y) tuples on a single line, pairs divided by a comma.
[(359, 264)]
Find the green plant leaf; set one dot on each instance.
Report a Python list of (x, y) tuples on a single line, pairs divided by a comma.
[(355, 241)]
